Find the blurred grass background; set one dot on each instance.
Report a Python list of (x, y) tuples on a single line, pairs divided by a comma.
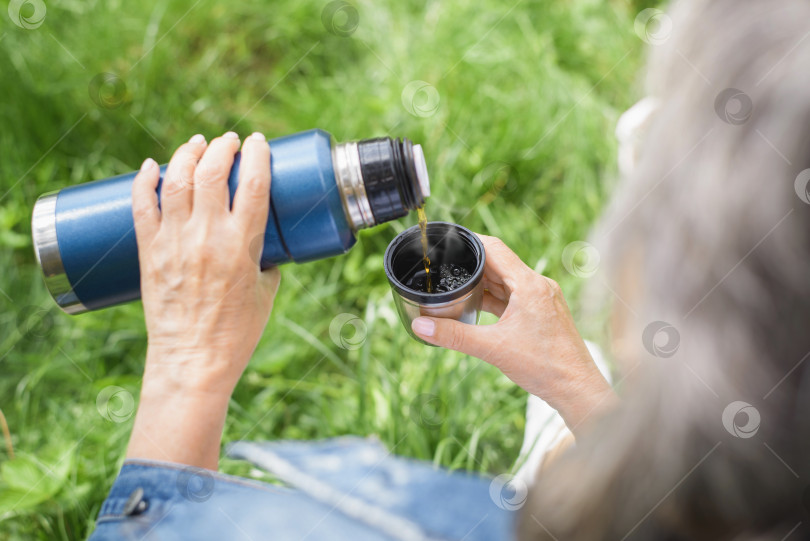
[(520, 145)]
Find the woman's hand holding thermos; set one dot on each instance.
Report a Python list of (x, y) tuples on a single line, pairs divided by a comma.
[(206, 301)]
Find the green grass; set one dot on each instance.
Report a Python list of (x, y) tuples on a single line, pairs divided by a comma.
[(520, 147)]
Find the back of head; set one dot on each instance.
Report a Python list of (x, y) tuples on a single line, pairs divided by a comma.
[(710, 234)]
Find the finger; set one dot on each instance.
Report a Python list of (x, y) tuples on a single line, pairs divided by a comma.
[(251, 204), (493, 305), (502, 264), (211, 196), (475, 340), (178, 183), (145, 212), (497, 289)]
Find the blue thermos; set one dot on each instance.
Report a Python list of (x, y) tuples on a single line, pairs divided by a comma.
[(321, 195)]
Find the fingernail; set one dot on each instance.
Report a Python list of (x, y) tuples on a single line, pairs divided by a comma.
[(230, 135), (148, 164), (197, 139), (257, 136), (423, 326)]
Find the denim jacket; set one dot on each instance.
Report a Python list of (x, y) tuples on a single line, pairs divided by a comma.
[(343, 488)]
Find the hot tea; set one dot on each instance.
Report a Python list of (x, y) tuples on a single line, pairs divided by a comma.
[(423, 227), (447, 277)]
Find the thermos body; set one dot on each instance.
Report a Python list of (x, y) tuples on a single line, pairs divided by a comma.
[(320, 195)]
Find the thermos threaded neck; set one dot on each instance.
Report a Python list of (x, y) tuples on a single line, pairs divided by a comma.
[(380, 179)]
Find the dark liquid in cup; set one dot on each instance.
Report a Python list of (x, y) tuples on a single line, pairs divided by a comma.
[(447, 277)]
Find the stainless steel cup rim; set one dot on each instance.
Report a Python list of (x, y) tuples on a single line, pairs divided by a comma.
[(431, 299)]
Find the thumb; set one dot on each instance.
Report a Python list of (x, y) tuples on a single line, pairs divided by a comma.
[(473, 340)]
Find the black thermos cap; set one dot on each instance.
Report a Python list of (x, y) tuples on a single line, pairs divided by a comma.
[(390, 178)]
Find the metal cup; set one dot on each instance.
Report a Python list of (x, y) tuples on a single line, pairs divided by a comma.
[(447, 243)]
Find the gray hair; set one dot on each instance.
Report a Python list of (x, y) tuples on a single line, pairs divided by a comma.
[(709, 236)]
